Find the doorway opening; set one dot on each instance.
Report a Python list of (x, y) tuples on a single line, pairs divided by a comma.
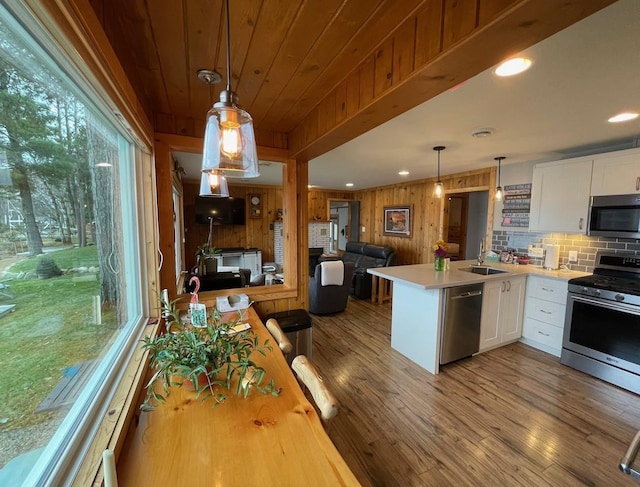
[(465, 223), (344, 216)]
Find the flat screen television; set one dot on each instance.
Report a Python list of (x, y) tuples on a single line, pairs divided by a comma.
[(223, 211)]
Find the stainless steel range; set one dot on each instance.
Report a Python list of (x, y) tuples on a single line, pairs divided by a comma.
[(602, 322)]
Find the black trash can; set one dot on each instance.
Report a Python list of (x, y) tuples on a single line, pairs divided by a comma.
[(296, 324)]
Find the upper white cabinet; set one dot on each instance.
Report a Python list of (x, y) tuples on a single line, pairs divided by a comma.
[(616, 173), (560, 196)]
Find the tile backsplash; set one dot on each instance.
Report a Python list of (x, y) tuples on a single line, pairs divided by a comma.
[(585, 246)]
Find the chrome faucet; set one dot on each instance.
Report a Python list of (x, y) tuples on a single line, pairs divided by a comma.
[(481, 252)]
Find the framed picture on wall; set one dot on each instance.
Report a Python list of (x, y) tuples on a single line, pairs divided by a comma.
[(397, 220), (255, 208)]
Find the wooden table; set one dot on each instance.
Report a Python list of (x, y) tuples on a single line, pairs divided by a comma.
[(260, 440)]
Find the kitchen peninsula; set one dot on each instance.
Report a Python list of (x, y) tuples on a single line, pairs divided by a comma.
[(418, 304)]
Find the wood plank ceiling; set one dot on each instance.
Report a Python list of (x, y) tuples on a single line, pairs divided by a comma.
[(314, 74)]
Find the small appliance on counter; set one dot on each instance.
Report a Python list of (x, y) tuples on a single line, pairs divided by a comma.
[(551, 257)]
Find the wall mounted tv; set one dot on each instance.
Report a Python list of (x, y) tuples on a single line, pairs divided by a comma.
[(223, 211)]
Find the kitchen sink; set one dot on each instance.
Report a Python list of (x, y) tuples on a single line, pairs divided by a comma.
[(482, 269)]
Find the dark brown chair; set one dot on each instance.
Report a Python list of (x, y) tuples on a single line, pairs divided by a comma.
[(331, 298)]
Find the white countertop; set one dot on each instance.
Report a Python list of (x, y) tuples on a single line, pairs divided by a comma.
[(425, 276)]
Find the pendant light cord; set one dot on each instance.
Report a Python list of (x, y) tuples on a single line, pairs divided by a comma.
[(228, 49)]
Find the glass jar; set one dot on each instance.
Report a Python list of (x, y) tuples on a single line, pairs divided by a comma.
[(440, 264)]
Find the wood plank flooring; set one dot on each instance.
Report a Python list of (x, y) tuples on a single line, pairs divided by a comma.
[(511, 416)]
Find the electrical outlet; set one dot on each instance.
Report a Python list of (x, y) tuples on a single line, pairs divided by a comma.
[(573, 256), (363, 229), (535, 251)]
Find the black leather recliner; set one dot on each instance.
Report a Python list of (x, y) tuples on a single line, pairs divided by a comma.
[(364, 256)]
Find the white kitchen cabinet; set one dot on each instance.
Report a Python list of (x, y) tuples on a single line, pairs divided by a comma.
[(617, 173), (560, 196), (545, 307), (502, 310)]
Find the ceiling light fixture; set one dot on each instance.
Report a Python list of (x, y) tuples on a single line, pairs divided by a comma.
[(229, 141), (213, 184), (403, 173), (623, 117), (349, 185), (513, 66), (438, 190), (499, 188), (482, 133)]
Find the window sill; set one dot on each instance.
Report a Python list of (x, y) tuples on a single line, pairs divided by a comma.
[(122, 410)]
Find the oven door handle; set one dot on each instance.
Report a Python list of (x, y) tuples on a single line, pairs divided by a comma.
[(630, 457), (635, 310)]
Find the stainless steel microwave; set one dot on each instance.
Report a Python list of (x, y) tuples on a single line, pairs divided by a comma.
[(615, 216)]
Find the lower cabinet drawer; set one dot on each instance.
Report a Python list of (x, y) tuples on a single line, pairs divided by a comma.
[(546, 311), (543, 333)]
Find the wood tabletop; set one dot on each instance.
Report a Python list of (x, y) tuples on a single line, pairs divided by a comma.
[(260, 440)]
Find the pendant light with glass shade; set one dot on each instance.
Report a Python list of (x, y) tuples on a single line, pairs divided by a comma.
[(439, 190), (214, 185), (229, 141), (499, 194)]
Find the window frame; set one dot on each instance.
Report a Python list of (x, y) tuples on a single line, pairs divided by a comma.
[(100, 412)]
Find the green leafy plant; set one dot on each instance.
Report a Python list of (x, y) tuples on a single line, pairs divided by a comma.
[(206, 249), (209, 358)]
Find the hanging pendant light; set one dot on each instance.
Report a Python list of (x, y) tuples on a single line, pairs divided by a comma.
[(229, 141), (213, 184), (499, 194), (439, 190)]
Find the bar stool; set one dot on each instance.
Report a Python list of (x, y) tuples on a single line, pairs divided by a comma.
[(309, 376)]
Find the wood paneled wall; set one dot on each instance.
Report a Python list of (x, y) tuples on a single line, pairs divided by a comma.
[(318, 202), (427, 212)]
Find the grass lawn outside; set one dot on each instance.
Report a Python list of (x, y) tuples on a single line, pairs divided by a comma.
[(51, 329)]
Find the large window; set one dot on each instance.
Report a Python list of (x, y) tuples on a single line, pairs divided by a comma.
[(70, 277)]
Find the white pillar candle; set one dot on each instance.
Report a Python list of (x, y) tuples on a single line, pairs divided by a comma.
[(109, 466)]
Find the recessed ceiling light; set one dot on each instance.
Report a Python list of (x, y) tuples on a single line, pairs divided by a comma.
[(309, 186), (623, 117), (513, 66), (349, 185), (403, 173)]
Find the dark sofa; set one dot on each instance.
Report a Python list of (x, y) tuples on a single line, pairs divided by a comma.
[(365, 255)]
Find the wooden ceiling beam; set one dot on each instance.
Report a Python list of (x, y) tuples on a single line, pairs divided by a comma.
[(444, 44)]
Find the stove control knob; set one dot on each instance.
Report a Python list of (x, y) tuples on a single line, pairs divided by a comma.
[(619, 297), (596, 292)]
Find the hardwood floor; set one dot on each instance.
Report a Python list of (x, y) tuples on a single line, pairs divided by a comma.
[(511, 416)]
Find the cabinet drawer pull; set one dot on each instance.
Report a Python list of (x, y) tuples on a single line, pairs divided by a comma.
[(503, 287), (547, 290), (508, 286), (546, 312), (581, 223), (638, 183), (543, 334)]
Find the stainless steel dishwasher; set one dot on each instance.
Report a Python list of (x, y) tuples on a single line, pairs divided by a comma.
[(461, 323)]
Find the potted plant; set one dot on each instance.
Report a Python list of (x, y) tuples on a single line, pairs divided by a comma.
[(208, 358), (207, 263)]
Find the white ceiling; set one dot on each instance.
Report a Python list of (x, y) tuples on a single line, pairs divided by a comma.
[(559, 108)]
